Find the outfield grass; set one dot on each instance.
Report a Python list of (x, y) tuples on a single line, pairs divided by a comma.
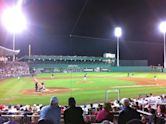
[(91, 90)]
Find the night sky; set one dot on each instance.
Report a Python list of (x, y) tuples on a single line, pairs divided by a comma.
[(85, 27)]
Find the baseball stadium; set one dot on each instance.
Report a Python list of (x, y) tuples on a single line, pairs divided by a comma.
[(78, 76), (90, 80), (67, 69)]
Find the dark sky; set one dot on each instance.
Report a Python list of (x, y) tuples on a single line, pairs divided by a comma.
[(85, 27)]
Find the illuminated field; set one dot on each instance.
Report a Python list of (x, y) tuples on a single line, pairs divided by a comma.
[(90, 90)]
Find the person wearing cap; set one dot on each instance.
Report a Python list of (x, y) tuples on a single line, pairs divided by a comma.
[(127, 112), (51, 112), (73, 114)]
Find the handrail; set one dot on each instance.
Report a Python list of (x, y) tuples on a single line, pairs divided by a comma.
[(144, 112)]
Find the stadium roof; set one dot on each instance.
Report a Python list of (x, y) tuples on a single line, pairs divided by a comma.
[(8, 52)]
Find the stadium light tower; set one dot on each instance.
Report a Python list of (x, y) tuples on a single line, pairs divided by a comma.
[(14, 21), (162, 28), (118, 34)]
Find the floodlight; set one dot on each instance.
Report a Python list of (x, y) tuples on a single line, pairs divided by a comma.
[(13, 20), (162, 27), (118, 32)]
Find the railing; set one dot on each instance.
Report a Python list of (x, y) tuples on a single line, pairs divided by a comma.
[(152, 119)]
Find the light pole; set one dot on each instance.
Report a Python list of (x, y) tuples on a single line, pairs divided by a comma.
[(118, 33), (162, 28), (14, 45), (14, 21)]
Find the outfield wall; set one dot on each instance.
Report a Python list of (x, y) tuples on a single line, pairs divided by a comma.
[(92, 68), (96, 67)]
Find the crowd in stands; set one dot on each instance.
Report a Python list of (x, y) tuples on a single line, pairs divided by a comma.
[(13, 69), (145, 110)]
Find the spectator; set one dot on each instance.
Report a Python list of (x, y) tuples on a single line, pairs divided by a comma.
[(1, 107), (161, 110), (100, 107), (51, 112), (85, 110), (11, 121), (34, 119), (91, 110), (105, 114), (149, 109), (136, 105), (1, 119), (73, 114), (127, 113)]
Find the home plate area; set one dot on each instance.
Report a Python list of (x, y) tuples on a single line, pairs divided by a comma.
[(48, 91)]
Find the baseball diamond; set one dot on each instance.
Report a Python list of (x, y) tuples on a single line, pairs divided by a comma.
[(64, 85)]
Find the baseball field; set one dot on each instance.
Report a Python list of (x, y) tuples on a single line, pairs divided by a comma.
[(91, 89)]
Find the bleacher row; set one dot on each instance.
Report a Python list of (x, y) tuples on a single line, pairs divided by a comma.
[(149, 107), (13, 69)]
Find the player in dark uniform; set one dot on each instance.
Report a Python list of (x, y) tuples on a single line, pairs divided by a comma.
[(36, 86)]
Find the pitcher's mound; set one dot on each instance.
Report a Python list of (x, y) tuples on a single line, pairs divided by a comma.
[(48, 91)]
